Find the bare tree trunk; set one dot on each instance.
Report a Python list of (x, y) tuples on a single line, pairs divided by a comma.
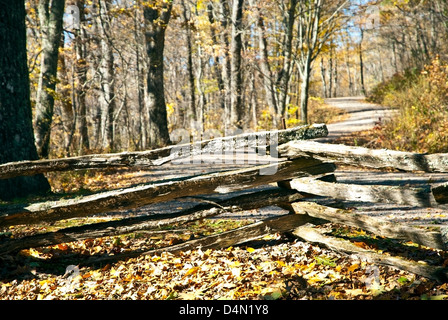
[(200, 110), (236, 80), (323, 74), (81, 74), (349, 75), (336, 79), (265, 68), (330, 72), (226, 73), (253, 101), (107, 93), (156, 21), (217, 70), (361, 64), (68, 113), (305, 74), (50, 17), (192, 113), (285, 72), (141, 127)]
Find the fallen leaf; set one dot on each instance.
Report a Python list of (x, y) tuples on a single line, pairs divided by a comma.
[(353, 267), (62, 246), (354, 292), (361, 244), (191, 271)]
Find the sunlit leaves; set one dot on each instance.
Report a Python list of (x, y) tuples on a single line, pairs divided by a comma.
[(284, 271)]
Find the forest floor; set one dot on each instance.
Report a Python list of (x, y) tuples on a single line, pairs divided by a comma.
[(275, 267)]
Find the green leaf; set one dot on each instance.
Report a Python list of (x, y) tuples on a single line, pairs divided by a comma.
[(172, 295), (325, 261), (271, 293), (403, 280), (276, 295), (439, 297)]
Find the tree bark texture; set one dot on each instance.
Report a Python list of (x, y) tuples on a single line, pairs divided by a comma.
[(16, 131), (80, 90), (432, 239), (160, 156), (202, 210), (418, 197), (156, 22), (50, 18), (192, 114), (224, 17), (107, 93), (145, 194), (364, 157), (236, 80)]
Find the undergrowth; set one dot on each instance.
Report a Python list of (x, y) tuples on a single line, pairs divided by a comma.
[(421, 100)]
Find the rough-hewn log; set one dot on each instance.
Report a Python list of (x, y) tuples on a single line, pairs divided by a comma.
[(164, 191), (419, 197), (223, 240), (237, 203), (160, 156), (432, 239), (312, 235), (359, 156)]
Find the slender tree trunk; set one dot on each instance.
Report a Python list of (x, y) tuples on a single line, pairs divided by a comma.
[(236, 80), (141, 127), (216, 64), (361, 64), (253, 101), (50, 18), (68, 114), (336, 79), (265, 67), (305, 75), (192, 113), (81, 75), (285, 73), (107, 93), (349, 73), (200, 109), (395, 60), (323, 74), (330, 73), (226, 73), (156, 21), (16, 130)]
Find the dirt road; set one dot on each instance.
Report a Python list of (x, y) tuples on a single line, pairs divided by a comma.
[(364, 116), (361, 116)]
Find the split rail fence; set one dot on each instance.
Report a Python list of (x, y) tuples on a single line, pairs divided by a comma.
[(302, 169)]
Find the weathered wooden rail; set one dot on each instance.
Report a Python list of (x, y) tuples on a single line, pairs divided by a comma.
[(300, 170), (157, 157)]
